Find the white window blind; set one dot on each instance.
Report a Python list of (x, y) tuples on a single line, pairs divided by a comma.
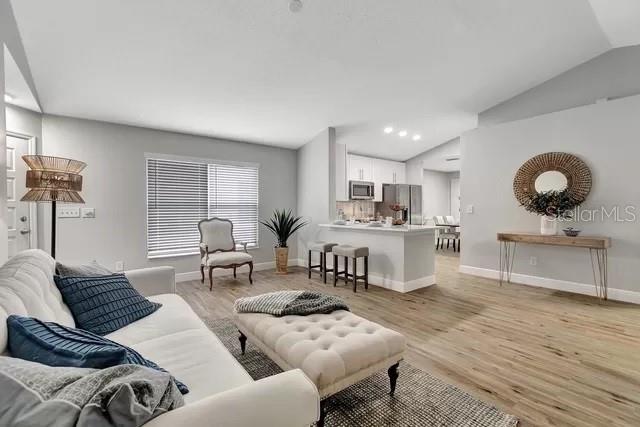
[(182, 193), (233, 194)]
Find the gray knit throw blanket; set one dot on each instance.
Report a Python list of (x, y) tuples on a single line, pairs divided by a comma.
[(284, 303)]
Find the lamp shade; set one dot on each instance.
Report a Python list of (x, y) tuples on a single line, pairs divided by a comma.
[(53, 179)]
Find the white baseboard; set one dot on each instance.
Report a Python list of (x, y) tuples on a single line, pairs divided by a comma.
[(560, 285), (398, 286), (195, 275)]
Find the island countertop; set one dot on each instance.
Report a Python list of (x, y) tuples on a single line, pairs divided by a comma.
[(409, 229)]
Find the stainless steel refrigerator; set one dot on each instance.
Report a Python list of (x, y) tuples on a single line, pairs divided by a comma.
[(409, 196)]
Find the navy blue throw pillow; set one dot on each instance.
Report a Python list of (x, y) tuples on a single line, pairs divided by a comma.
[(55, 345), (103, 304)]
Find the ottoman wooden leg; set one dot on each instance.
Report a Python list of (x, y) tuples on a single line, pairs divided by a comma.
[(335, 270), (243, 342), (393, 377), (309, 265)]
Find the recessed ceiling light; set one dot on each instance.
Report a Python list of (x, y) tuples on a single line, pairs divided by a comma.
[(417, 137), (388, 129), (402, 133), (295, 5), (8, 98)]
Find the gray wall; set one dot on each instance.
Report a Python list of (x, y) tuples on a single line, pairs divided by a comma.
[(433, 159), (605, 136), (316, 200), (115, 184), (436, 191), (613, 74)]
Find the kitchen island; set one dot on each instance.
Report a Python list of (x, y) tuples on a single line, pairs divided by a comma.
[(401, 258)]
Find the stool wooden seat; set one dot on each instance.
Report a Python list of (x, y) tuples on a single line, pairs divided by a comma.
[(353, 252), (322, 248)]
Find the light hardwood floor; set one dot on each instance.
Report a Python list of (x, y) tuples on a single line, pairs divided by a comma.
[(548, 357)]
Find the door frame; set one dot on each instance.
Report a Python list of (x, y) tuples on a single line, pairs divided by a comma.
[(33, 207)]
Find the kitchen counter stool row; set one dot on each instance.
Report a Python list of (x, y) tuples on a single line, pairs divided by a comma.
[(346, 252)]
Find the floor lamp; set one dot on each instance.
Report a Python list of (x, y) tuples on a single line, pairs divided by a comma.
[(53, 179)]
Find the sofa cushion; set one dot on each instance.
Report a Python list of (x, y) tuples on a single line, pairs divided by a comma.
[(175, 338), (103, 304), (91, 269), (55, 345), (27, 289)]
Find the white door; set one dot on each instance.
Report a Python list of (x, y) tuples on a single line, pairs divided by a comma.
[(21, 215), (455, 198)]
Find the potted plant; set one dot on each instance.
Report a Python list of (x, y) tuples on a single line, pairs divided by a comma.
[(551, 205), (283, 224)]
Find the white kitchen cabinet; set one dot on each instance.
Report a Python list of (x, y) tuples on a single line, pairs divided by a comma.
[(360, 168), (387, 172)]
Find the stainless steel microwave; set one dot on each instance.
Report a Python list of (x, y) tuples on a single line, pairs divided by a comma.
[(361, 190)]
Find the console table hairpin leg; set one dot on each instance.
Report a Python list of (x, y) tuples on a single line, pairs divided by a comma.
[(599, 262), (507, 254)]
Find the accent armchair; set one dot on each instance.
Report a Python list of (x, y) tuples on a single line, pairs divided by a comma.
[(218, 248)]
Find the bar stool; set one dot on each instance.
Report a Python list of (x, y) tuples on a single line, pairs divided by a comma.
[(348, 251), (323, 248)]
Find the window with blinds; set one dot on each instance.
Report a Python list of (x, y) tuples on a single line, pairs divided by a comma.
[(182, 193)]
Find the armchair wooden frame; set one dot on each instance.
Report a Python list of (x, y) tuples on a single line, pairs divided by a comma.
[(205, 251)]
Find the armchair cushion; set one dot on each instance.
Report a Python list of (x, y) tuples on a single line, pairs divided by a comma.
[(226, 258)]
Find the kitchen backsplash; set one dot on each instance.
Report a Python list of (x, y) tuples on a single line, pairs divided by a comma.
[(358, 208)]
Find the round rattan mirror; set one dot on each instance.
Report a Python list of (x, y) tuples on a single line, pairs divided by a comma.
[(542, 173)]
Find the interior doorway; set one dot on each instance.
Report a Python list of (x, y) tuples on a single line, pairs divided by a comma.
[(21, 216)]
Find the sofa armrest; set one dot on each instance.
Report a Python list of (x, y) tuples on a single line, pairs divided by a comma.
[(289, 399), (153, 280)]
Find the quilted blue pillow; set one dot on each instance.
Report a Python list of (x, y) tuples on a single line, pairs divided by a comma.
[(103, 304), (55, 345)]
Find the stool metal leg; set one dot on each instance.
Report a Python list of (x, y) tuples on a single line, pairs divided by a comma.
[(335, 270), (366, 273), (309, 265), (355, 274), (324, 266), (346, 270)]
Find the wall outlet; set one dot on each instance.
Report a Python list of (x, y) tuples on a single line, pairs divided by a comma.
[(88, 212), (469, 209), (68, 212), (533, 260), (119, 265)]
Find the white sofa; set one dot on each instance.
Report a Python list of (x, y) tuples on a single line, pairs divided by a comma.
[(221, 392)]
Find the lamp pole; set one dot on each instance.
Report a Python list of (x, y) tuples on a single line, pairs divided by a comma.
[(53, 229)]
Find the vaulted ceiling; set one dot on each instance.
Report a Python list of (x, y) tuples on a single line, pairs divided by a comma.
[(252, 70)]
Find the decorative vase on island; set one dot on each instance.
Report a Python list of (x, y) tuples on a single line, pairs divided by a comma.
[(548, 225), (282, 259)]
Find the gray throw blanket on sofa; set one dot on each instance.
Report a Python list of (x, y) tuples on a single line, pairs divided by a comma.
[(284, 303), (33, 394)]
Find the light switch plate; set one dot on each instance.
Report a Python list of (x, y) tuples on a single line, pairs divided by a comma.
[(68, 212), (88, 212), (469, 209)]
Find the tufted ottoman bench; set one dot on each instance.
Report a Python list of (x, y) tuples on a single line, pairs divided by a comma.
[(334, 350)]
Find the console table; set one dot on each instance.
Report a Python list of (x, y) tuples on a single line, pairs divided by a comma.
[(597, 253)]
